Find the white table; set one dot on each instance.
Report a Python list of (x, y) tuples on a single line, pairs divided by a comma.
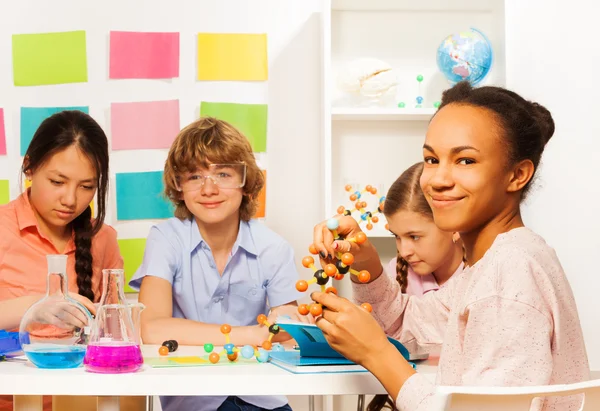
[(29, 383)]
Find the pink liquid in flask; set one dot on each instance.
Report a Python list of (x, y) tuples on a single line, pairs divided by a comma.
[(111, 358)]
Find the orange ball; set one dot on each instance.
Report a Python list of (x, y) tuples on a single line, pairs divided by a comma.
[(353, 197), (341, 209), (232, 357), (303, 309), (214, 358), (367, 307), (360, 238), (261, 319), (308, 261), (358, 205), (387, 227), (375, 219), (163, 350), (364, 276), (316, 310), (369, 187), (312, 249), (330, 270), (373, 190), (267, 345), (347, 258), (348, 187), (364, 204), (226, 328), (339, 276), (302, 286), (332, 290), (369, 226), (381, 205)]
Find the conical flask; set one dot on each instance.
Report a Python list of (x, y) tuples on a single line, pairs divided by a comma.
[(114, 345), (54, 331)]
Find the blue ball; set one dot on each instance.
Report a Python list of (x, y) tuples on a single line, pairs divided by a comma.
[(263, 355), (333, 224), (277, 347), (247, 351), (364, 216), (229, 348), (357, 194), (419, 100)]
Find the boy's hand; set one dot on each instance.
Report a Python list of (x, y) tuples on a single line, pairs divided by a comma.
[(290, 310)]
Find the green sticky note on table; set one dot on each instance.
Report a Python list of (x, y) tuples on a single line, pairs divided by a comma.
[(132, 251), (4, 192), (49, 58), (250, 119)]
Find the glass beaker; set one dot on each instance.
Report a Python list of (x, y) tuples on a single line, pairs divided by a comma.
[(54, 331), (114, 345)]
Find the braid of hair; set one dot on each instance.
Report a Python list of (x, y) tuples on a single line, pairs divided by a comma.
[(82, 227), (380, 402), (401, 273)]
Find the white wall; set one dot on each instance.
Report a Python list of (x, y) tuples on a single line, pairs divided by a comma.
[(552, 56), (294, 199)]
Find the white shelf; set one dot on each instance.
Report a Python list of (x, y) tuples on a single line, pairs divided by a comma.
[(386, 114), (412, 5)]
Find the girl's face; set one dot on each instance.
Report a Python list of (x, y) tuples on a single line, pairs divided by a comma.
[(420, 242), (466, 176), (62, 188)]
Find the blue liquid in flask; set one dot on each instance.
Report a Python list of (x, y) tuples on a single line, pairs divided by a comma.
[(55, 355)]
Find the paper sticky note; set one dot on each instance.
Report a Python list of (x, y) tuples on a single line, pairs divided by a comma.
[(262, 199), (49, 58), (132, 251), (250, 119), (32, 117), (140, 125), (140, 196), (229, 56), (2, 134), (143, 55), (4, 192)]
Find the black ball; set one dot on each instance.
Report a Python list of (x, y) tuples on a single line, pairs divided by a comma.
[(274, 329), (321, 277), (172, 345), (342, 269)]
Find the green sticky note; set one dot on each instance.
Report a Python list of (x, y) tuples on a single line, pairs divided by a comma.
[(132, 251), (49, 58), (4, 192), (250, 119)]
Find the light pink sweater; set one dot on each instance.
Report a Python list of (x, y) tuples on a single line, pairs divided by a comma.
[(509, 320)]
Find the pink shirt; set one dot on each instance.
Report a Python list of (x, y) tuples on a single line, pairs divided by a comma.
[(415, 284), (509, 320)]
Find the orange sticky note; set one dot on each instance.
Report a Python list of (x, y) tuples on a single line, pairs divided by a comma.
[(262, 199)]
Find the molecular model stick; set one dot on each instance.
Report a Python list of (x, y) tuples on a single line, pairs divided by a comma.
[(336, 271), (369, 216), (247, 351)]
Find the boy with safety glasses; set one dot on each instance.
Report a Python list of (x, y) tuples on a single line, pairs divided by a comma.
[(212, 264)]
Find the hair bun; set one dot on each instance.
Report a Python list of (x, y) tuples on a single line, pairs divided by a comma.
[(544, 121)]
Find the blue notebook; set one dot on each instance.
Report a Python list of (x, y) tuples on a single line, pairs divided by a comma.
[(315, 355), (292, 361), (9, 342), (312, 342)]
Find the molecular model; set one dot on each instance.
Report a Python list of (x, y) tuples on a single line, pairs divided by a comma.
[(247, 351), (369, 216), (336, 271)]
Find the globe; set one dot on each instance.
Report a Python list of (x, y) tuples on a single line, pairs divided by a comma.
[(465, 56)]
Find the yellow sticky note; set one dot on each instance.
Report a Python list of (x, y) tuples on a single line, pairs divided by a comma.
[(231, 57)]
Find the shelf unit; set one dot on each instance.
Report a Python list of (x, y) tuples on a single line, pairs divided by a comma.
[(375, 144)]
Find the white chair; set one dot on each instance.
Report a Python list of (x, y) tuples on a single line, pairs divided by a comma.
[(512, 398)]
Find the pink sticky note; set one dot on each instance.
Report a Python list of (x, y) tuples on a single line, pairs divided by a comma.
[(140, 125), (143, 55), (2, 134)]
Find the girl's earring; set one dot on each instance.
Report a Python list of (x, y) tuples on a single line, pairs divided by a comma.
[(455, 237)]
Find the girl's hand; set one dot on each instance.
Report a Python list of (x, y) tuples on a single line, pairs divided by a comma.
[(365, 255), (349, 329)]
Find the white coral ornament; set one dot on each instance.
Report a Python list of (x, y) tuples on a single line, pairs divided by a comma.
[(367, 77)]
